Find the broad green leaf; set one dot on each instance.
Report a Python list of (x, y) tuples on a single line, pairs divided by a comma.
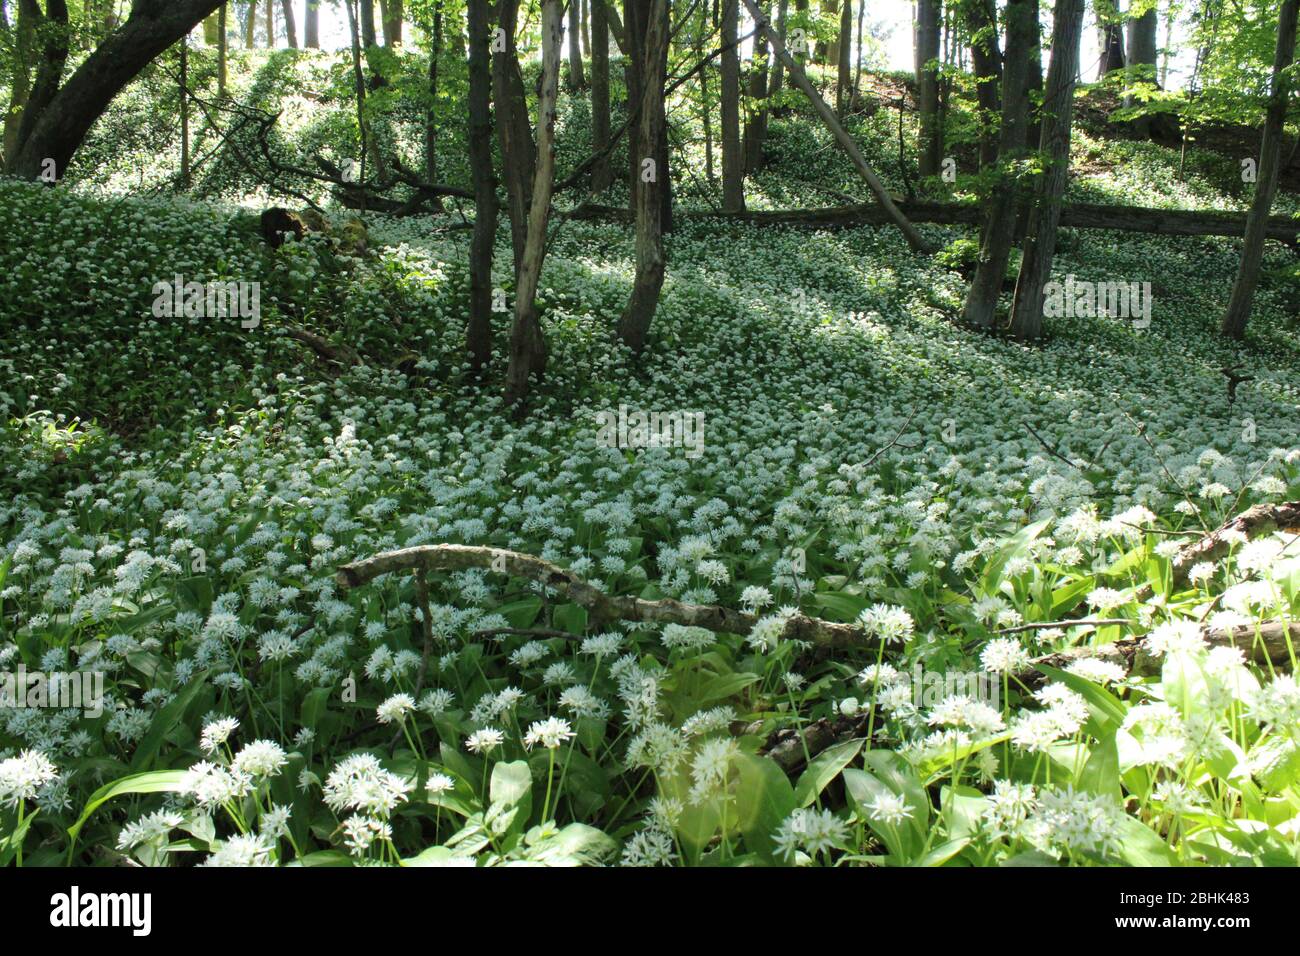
[(825, 767), (156, 781)]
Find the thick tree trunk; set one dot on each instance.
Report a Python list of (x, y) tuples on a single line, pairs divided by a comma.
[(600, 121), (52, 32), (999, 232), (1110, 27), (844, 62), (1143, 34), (733, 159), (290, 23), (576, 80), (800, 79), (1034, 85), (478, 332), (527, 345), (392, 19), (632, 45), (518, 156), (930, 149), (367, 16), (1045, 217), (986, 61), (311, 25), (828, 54), (756, 122), (1270, 154), (634, 325)]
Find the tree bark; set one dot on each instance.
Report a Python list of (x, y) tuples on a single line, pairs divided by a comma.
[(270, 24), (250, 25), (778, 68), (21, 83), (1270, 155), (999, 231), (928, 16), (634, 325), (844, 74), (431, 115), (756, 122), (392, 18), (1111, 30), (600, 119), (800, 79), (366, 14), (518, 157), (290, 23), (1143, 34), (1045, 217), (576, 80), (527, 345), (986, 61), (733, 160), (311, 25), (478, 332)]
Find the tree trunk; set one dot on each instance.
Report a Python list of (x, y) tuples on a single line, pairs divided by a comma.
[(223, 55), (1045, 217), (1035, 81), (829, 53), (800, 79), (392, 17), (185, 113), (518, 157), (60, 127), (478, 332), (632, 44), (1270, 154), (585, 14), (600, 121), (778, 68), (366, 14), (270, 24), (431, 115), (527, 345), (634, 325), (311, 25), (756, 122), (986, 61), (51, 31), (250, 25), (1143, 34), (999, 232), (576, 80), (1111, 29), (733, 160), (21, 83), (928, 16), (844, 62), (290, 24)]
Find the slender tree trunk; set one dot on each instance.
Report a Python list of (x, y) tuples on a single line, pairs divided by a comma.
[(800, 79), (290, 23), (250, 25), (311, 25), (635, 323), (828, 54), (367, 16), (478, 332), (756, 122), (844, 75), (778, 68), (585, 14), (576, 80), (999, 232), (709, 16), (862, 53), (632, 45), (431, 116), (600, 121), (270, 24), (527, 345), (21, 82), (733, 160), (1045, 217), (57, 130), (986, 61), (518, 158), (1270, 154), (928, 16), (185, 113), (223, 57)]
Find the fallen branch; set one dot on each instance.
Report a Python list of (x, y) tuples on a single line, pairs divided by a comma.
[(1251, 523), (324, 348), (603, 607)]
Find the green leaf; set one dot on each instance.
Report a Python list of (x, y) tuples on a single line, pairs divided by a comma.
[(571, 618), (511, 783), (825, 767), (764, 798), (165, 720), (156, 781), (1107, 711)]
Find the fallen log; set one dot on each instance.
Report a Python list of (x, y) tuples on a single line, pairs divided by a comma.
[(1253, 522), (1160, 222), (603, 607)]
